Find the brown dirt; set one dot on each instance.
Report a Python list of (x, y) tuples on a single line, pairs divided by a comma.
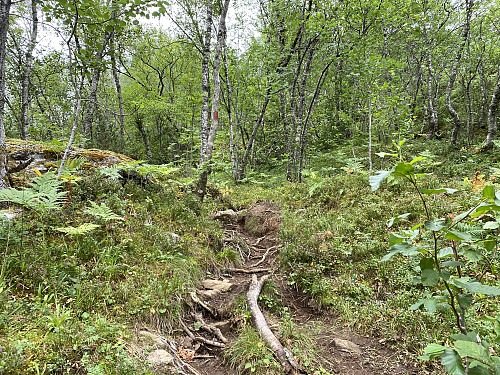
[(254, 236)]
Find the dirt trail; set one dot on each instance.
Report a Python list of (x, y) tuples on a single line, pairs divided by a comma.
[(253, 234)]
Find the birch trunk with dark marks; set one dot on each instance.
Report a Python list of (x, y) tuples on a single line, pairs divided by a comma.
[(284, 355), (94, 83), (4, 28), (492, 114), (206, 156), (457, 123), (205, 82), (118, 86), (25, 96)]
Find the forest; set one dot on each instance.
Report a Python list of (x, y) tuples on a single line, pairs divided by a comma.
[(249, 186)]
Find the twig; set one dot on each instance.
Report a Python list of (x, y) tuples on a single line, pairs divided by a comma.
[(256, 243)]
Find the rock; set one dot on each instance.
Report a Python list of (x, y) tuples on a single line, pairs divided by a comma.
[(222, 286), (152, 338), (227, 216), (160, 357), (348, 346), (209, 293)]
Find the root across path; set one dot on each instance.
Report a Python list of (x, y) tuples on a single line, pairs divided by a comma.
[(212, 328)]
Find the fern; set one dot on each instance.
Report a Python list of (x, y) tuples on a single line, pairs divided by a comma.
[(43, 194), (112, 172), (473, 230), (102, 212), (81, 229)]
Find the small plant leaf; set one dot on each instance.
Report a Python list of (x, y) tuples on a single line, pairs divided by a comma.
[(476, 287), (489, 192), (429, 277), (453, 363), (378, 178), (435, 225), (432, 351), (472, 350)]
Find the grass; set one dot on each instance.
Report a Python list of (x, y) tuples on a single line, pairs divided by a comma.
[(69, 303)]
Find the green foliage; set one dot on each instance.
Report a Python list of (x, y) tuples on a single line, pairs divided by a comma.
[(446, 256), (43, 194), (102, 212)]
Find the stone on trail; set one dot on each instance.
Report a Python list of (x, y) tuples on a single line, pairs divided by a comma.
[(348, 346), (221, 286), (227, 216), (160, 357), (152, 338)]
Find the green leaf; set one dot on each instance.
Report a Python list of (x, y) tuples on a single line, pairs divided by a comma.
[(430, 305), (384, 154), (491, 225), (426, 264), (476, 287), (418, 158), (489, 192), (429, 277), (444, 252), (453, 363), (103, 212), (75, 231), (403, 170), (438, 191), (464, 300), (458, 236), (403, 249), (472, 350), (432, 351), (477, 368), (393, 238), (378, 178), (435, 225)]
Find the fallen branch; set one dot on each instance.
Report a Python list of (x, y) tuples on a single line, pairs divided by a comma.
[(284, 355)]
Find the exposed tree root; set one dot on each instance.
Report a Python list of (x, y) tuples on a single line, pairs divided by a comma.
[(182, 367), (199, 338), (284, 355), (243, 270)]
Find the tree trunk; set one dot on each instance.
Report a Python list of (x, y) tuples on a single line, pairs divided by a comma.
[(94, 83), (25, 96), (205, 83), (118, 86), (140, 126), (492, 114), (453, 75), (433, 115), (233, 149), (4, 28), (206, 156)]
